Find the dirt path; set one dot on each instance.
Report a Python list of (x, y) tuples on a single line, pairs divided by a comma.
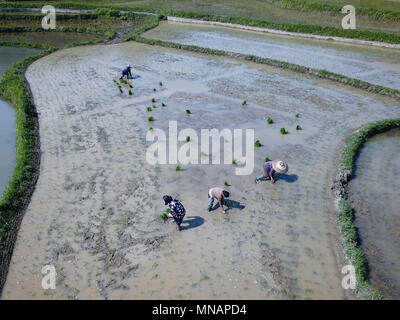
[(93, 213)]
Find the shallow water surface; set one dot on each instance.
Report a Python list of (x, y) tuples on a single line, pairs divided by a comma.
[(376, 65), (94, 211), (375, 195), (8, 55), (55, 39)]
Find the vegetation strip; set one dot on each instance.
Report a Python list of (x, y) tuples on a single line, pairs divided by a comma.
[(290, 27), (16, 198), (350, 237), (378, 14), (39, 16), (14, 88)]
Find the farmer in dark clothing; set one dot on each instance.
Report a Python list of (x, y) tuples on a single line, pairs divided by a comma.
[(270, 167), (127, 72), (177, 210)]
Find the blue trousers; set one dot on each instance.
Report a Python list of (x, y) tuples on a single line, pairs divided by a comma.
[(261, 178), (210, 202)]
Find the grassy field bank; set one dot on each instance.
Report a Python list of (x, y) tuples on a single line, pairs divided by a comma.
[(350, 237), (250, 9)]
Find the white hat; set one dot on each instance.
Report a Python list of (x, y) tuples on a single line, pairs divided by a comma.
[(280, 166)]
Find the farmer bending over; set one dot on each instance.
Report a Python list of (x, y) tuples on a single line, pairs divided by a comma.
[(127, 72), (270, 167), (219, 194), (177, 210)]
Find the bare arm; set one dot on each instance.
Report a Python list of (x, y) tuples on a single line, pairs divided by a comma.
[(221, 203)]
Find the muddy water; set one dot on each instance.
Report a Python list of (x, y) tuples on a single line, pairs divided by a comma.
[(94, 211), (374, 193), (376, 65), (56, 39), (8, 55)]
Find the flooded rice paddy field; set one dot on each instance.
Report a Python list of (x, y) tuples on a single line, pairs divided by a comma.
[(55, 39), (99, 24), (376, 65), (94, 212), (374, 193), (8, 56)]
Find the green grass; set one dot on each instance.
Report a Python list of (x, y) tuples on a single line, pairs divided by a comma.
[(95, 24), (234, 161), (163, 104), (270, 121), (226, 184), (350, 238), (178, 168), (332, 8), (298, 127), (150, 119), (188, 111), (14, 88), (160, 84), (164, 215), (244, 103), (356, 140), (153, 100), (187, 139), (149, 109), (257, 143), (239, 11), (266, 159), (297, 115)]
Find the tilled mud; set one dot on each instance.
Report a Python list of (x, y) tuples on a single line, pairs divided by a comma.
[(94, 213)]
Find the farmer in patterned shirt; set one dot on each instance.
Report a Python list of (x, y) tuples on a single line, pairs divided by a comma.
[(177, 210)]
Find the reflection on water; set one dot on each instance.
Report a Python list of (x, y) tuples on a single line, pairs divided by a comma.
[(376, 65), (374, 193), (8, 55), (55, 39)]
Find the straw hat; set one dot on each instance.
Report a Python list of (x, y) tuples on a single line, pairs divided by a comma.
[(280, 166)]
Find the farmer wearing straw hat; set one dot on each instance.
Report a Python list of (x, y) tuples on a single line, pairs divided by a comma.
[(270, 167), (126, 72)]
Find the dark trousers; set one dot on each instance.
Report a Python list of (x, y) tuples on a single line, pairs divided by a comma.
[(128, 75)]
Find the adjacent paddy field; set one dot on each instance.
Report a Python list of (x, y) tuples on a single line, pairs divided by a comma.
[(375, 65), (8, 56), (94, 211), (374, 193)]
